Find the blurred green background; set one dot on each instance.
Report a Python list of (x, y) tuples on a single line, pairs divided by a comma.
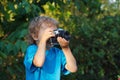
[(93, 24)]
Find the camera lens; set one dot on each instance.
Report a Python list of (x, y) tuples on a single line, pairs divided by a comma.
[(66, 35)]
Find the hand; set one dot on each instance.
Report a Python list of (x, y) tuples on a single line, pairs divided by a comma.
[(46, 34), (63, 43)]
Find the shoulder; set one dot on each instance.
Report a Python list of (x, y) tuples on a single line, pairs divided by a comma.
[(31, 49)]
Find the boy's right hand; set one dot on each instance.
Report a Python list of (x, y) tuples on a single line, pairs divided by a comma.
[(46, 34)]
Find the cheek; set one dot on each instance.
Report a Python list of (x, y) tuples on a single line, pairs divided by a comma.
[(40, 34)]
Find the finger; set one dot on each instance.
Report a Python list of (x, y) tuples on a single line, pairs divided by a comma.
[(58, 39), (65, 40), (51, 34), (61, 39)]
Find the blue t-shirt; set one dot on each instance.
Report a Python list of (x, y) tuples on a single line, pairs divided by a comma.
[(53, 66)]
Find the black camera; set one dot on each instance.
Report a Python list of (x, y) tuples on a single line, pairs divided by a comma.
[(59, 33)]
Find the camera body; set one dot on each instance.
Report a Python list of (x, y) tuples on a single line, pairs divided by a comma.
[(59, 33)]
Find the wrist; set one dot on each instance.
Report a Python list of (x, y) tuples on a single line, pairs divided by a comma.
[(42, 42), (65, 47)]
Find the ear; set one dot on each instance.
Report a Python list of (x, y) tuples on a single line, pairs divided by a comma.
[(35, 37)]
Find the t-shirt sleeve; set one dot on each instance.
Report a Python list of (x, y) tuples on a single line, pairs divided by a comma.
[(64, 70), (28, 60)]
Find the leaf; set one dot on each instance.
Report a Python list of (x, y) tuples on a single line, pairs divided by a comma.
[(13, 36), (9, 47), (18, 43), (18, 68), (23, 46), (3, 55), (11, 6), (23, 33), (10, 70)]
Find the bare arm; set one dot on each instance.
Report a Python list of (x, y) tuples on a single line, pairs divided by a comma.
[(70, 60), (39, 57)]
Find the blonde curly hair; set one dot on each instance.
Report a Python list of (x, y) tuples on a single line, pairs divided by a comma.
[(36, 24)]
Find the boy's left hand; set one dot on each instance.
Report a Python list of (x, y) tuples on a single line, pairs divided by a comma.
[(63, 42)]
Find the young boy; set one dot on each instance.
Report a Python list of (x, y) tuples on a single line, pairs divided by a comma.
[(42, 60)]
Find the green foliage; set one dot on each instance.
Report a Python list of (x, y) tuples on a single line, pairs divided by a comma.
[(14, 21), (96, 48), (95, 34)]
